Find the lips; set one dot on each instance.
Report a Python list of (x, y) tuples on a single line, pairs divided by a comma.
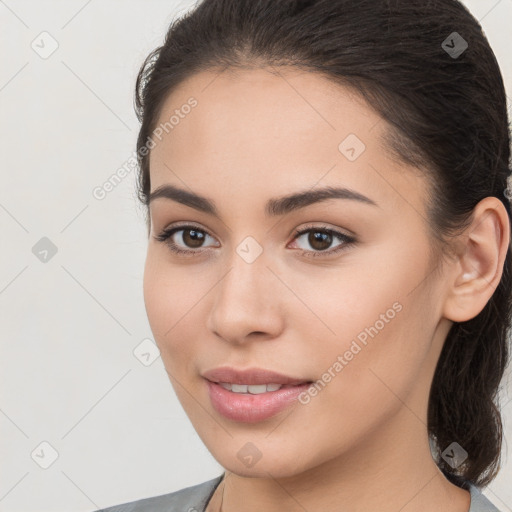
[(251, 376), (249, 408)]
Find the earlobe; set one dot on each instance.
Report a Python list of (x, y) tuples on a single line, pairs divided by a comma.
[(477, 270)]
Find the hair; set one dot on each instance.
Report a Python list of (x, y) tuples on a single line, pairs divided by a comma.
[(446, 115)]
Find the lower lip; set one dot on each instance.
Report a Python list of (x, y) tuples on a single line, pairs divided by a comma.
[(247, 408)]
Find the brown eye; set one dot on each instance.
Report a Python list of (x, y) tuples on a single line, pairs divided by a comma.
[(190, 242), (320, 240), (192, 238)]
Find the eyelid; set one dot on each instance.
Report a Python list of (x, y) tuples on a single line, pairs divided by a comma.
[(323, 226), (187, 224)]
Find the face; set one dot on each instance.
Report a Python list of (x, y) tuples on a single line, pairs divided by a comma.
[(336, 292)]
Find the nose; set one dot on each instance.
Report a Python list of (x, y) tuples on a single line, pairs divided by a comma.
[(246, 301)]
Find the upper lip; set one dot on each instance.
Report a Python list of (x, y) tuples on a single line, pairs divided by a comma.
[(250, 376)]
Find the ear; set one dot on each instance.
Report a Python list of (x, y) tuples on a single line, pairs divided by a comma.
[(477, 269)]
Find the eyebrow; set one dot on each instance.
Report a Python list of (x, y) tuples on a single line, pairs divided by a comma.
[(274, 207)]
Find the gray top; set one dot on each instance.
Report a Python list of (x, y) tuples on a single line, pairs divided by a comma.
[(195, 499)]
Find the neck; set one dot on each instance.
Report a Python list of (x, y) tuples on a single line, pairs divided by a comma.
[(389, 472)]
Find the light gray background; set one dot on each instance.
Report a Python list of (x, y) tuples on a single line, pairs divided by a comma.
[(70, 325)]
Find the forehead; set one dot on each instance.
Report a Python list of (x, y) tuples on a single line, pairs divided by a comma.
[(252, 127), (260, 106)]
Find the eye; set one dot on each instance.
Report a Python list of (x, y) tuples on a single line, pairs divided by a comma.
[(320, 238), (191, 237)]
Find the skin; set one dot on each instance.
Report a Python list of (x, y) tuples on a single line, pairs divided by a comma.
[(361, 444)]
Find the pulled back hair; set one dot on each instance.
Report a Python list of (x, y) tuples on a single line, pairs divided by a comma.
[(446, 115)]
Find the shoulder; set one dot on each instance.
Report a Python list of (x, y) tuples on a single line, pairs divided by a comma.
[(479, 502), (194, 499), (189, 499)]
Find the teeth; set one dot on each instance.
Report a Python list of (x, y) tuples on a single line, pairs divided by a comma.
[(252, 389)]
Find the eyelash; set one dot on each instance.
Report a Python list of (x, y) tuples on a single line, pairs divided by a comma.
[(347, 240)]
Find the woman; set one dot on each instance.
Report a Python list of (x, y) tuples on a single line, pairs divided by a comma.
[(328, 275)]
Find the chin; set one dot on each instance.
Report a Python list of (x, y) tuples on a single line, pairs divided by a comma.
[(275, 466)]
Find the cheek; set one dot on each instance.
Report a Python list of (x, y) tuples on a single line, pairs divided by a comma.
[(170, 296), (381, 332), (361, 384)]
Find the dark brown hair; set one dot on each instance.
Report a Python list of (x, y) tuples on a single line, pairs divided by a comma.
[(447, 116)]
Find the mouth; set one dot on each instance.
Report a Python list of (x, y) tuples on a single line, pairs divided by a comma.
[(257, 389), (251, 395), (251, 380), (252, 403)]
